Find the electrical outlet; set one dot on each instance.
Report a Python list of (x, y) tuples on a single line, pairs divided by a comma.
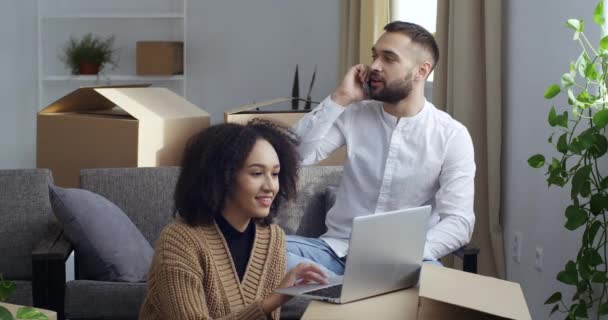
[(516, 247), (538, 258)]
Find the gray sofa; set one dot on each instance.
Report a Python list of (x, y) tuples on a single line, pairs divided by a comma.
[(26, 222), (146, 196)]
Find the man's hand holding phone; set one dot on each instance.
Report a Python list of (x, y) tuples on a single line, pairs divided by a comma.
[(354, 86)]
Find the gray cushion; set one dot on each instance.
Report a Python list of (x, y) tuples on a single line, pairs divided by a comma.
[(107, 243), (144, 194), (25, 218), (306, 215), (85, 299)]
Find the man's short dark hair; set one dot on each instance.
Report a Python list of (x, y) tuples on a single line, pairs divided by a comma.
[(418, 34), (212, 159)]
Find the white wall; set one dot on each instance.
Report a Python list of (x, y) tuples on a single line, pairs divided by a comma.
[(18, 83), (238, 51), (241, 51), (538, 49)]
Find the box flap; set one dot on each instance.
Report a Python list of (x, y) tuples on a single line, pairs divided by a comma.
[(152, 103), (253, 106), (472, 291), (84, 99)]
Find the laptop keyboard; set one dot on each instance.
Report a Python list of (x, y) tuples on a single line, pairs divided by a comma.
[(330, 292)]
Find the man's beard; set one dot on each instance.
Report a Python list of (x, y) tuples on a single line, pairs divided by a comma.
[(395, 91)]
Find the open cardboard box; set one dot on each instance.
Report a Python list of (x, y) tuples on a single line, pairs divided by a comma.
[(279, 110), (443, 293), (114, 126), (446, 293)]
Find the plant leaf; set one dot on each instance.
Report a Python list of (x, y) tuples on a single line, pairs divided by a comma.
[(590, 233), (576, 217), (604, 43), (599, 147), (5, 314), (552, 91), (536, 161), (576, 25), (579, 178), (599, 277), (562, 143), (552, 116), (604, 183), (562, 120), (7, 288), (598, 14), (569, 275), (600, 119), (599, 202), (567, 80), (30, 314), (555, 297), (555, 308), (592, 258)]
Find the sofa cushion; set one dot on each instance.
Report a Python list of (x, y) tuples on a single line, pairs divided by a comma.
[(108, 245), (85, 299)]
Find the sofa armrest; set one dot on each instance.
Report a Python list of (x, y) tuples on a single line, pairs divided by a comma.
[(48, 272), (468, 254)]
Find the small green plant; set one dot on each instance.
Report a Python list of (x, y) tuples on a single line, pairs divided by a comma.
[(89, 55), (295, 91), (581, 147), (7, 288)]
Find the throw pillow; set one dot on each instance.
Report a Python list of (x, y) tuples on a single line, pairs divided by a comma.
[(108, 245)]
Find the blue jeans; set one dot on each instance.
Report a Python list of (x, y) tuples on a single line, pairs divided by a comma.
[(313, 250)]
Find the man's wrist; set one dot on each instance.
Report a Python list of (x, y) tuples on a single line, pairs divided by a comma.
[(341, 99)]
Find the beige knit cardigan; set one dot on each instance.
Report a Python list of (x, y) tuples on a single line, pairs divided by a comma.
[(193, 276)]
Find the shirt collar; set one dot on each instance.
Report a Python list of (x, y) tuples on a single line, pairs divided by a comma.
[(394, 121)]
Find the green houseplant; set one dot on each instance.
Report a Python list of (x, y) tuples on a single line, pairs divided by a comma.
[(580, 143), (90, 54), (7, 288)]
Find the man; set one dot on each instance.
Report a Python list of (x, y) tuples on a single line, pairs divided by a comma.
[(402, 151)]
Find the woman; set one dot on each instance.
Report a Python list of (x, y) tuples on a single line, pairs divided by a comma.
[(222, 257)]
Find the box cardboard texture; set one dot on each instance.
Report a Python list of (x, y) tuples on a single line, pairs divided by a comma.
[(114, 126), (159, 58), (443, 293), (285, 117)]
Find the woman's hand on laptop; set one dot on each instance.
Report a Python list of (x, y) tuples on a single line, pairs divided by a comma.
[(303, 273)]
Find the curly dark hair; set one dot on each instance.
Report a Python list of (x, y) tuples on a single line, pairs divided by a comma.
[(212, 159)]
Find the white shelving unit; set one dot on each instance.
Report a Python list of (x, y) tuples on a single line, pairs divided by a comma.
[(128, 20)]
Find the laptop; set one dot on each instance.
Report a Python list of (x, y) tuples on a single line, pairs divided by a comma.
[(385, 254)]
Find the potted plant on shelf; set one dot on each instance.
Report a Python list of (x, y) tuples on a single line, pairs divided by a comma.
[(579, 138), (90, 54)]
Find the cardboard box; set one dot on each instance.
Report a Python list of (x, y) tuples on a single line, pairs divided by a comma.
[(115, 126), (443, 293), (279, 110), (159, 58)]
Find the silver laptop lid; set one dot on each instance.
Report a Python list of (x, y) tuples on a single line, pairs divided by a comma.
[(385, 252)]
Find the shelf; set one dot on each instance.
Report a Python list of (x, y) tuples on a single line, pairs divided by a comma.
[(117, 16), (113, 77)]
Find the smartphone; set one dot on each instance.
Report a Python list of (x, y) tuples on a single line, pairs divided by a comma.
[(366, 89)]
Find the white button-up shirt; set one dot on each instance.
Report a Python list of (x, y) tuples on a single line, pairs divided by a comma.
[(395, 163)]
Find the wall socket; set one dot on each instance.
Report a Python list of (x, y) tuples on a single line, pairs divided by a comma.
[(538, 258), (516, 246)]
